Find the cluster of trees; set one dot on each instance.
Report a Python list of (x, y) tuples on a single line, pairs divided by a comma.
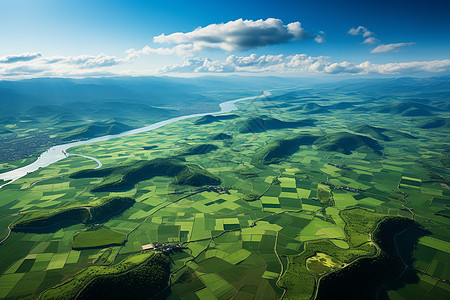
[(297, 279), (137, 277), (142, 282), (75, 212), (125, 176), (324, 195), (106, 207), (363, 278)]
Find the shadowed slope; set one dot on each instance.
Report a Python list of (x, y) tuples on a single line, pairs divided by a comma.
[(264, 123), (381, 133), (124, 177)]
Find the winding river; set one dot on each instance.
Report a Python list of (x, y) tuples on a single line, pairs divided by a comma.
[(57, 153)]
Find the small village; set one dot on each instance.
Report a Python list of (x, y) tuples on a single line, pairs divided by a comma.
[(344, 188), (166, 248), (207, 188)]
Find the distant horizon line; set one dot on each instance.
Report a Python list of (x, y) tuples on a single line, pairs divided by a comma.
[(318, 78)]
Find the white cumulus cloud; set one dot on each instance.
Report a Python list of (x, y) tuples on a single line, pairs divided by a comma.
[(370, 40), (36, 64), (179, 50), (238, 35), (19, 57), (301, 63), (360, 30), (100, 65), (320, 38)]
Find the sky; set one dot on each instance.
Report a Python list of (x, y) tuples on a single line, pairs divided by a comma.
[(346, 38)]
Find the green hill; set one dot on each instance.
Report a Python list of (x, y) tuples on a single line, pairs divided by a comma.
[(345, 142), (196, 176), (295, 96), (311, 108), (277, 105), (368, 277), (221, 136), (314, 108), (274, 151), (39, 111), (124, 177), (380, 133), (211, 118), (94, 129), (95, 211), (264, 123), (5, 131), (139, 276), (342, 105), (9, 120), (437, 122), (408, 109), (199, 149)]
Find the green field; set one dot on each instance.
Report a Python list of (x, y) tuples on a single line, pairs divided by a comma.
[(102, 237)]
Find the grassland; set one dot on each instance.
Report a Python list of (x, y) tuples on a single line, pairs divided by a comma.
[(102, 237)]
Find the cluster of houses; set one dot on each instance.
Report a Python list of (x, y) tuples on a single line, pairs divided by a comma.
[(344, 188), (347, 188), (166, 248), (207, 188), (216, 188)]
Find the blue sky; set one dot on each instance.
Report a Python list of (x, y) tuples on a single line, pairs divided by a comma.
[(93, 38)]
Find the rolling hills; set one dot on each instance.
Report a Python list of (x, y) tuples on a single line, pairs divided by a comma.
[(211, 118), (345, 143), (275, 150), (124, 177), (408, 109), (198, 149), (95, 211), (94, 129), (264, 123), (379, 133), (436, 122)]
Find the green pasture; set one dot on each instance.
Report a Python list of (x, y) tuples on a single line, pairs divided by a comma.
[(102, 237)]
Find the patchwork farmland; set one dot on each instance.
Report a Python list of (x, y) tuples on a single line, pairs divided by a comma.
[(282, 225)]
